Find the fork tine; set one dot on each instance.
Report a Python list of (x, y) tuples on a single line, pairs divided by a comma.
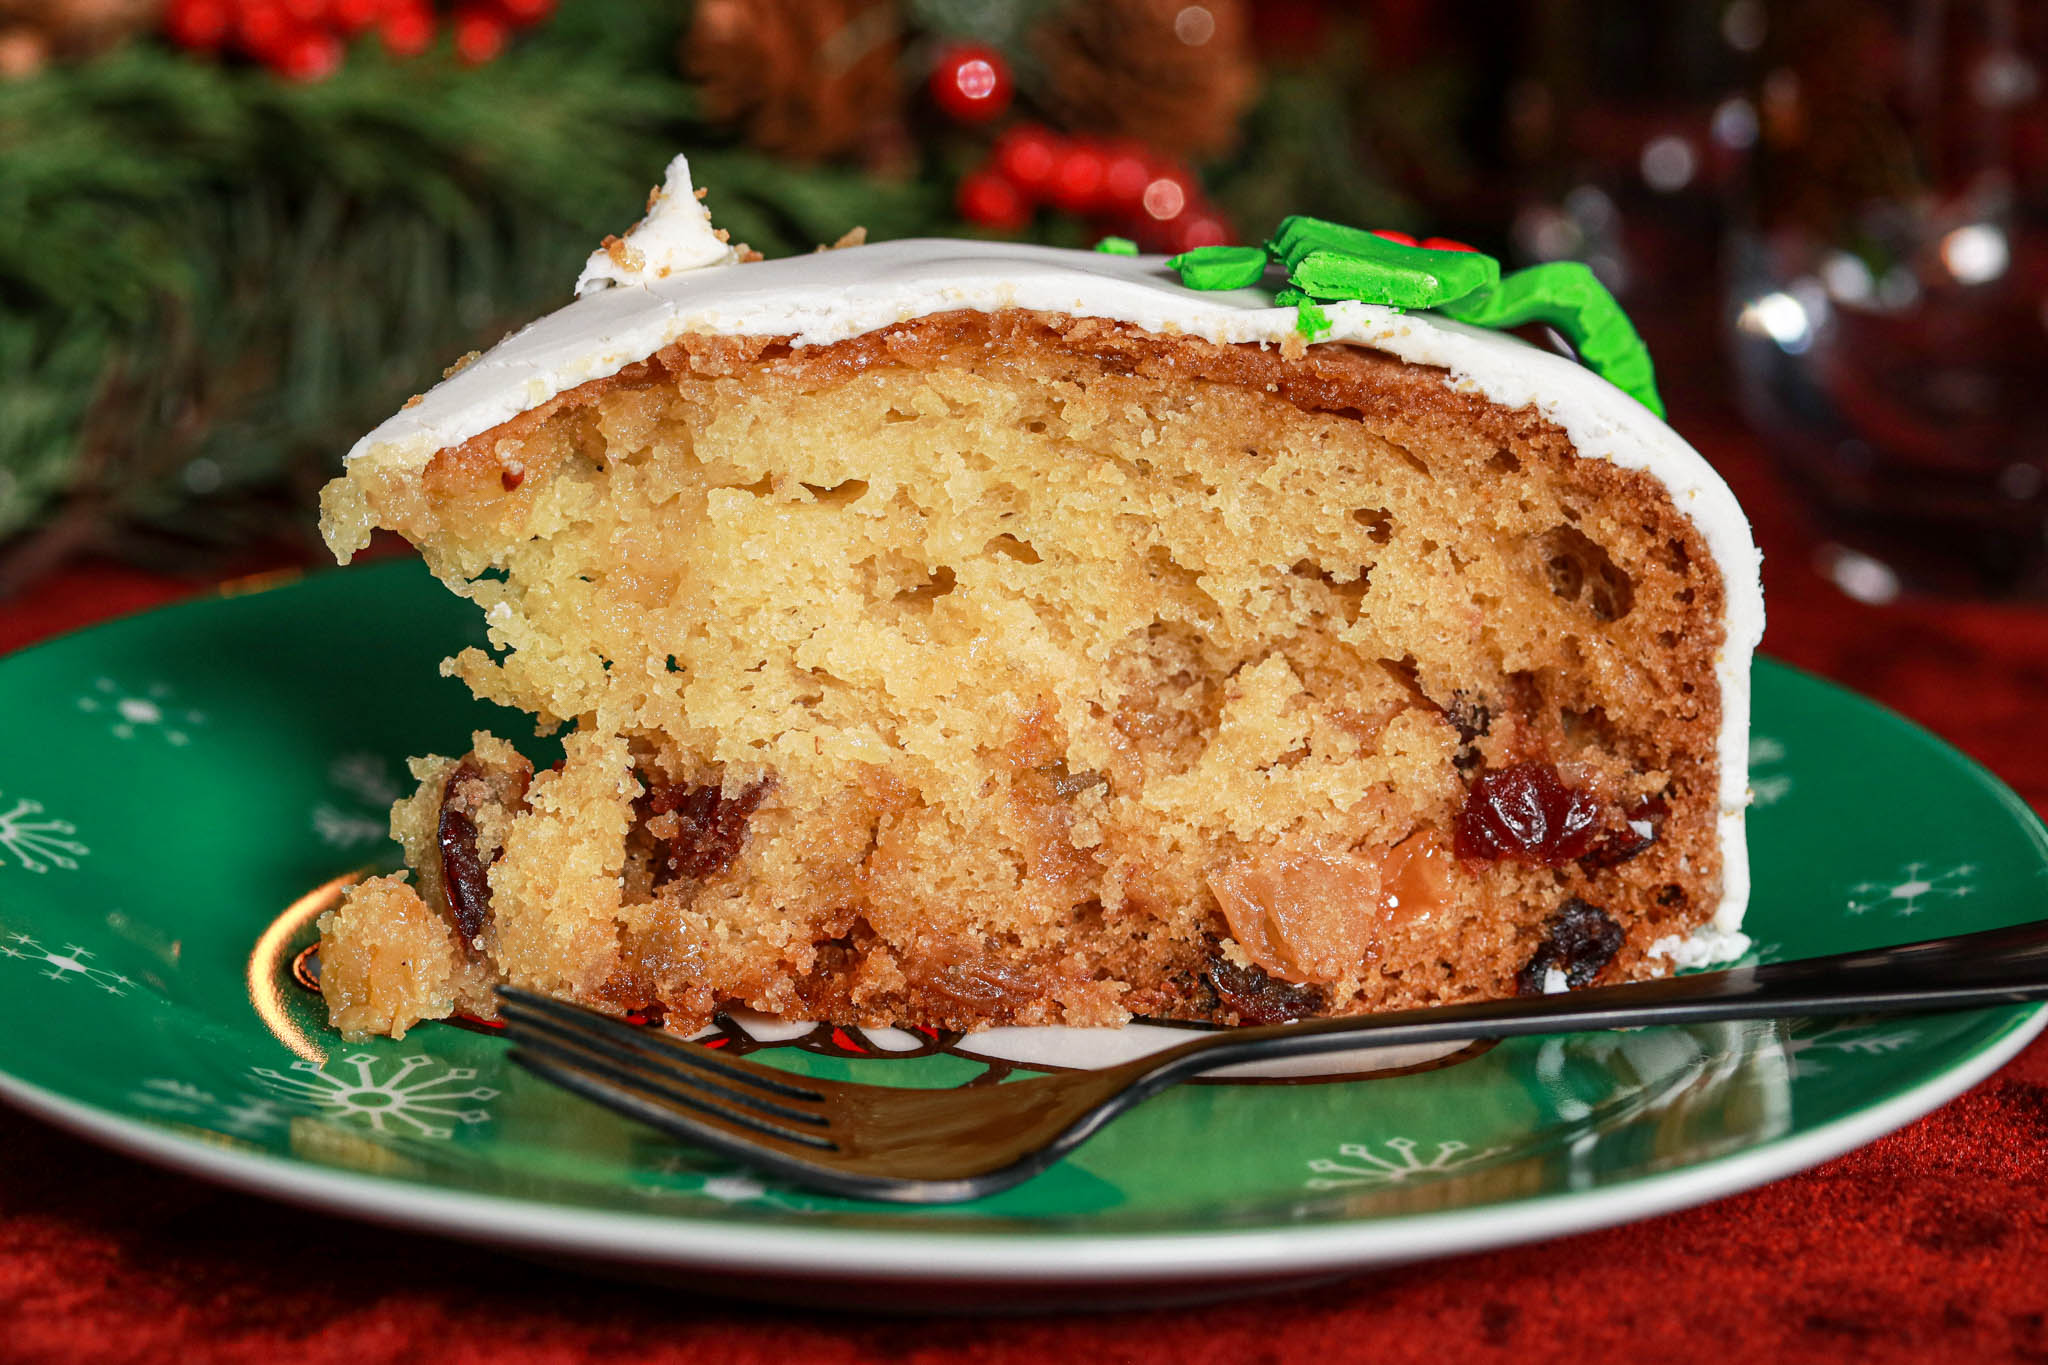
[(552, 1059), (590, 1023), (523, 1028)]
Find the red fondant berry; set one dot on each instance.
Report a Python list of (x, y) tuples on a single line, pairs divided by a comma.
[(1447, 244), (1526, 814), (991, 201), (1399, 238), (971, 83)]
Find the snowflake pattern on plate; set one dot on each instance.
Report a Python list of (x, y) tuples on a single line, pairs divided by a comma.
[(366, 780), (1916, 888), (244, 1115), (37, 845), (1811, 1039), (1767, 788), (72, 963), (150, 711), (419, 1098), (1401, 1165)]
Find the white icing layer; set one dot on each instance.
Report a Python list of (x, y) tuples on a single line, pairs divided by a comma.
[(830, 296)]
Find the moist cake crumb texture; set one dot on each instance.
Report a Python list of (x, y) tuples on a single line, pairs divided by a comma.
[(1007, 668)]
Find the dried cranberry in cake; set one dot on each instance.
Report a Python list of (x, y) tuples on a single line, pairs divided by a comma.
[(1578, 941), (701, 829), (1526, 814), (1259, 998)]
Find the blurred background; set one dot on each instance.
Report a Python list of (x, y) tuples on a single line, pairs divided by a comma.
[(235, 234)]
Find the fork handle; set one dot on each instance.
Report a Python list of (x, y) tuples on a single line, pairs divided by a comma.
[(1994, 967)]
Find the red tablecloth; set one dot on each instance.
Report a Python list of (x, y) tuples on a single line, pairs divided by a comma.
[(1928, 1245)]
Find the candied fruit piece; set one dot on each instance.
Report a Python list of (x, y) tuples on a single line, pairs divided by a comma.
[(1526, 814), (1578, 940), (1305, 915)]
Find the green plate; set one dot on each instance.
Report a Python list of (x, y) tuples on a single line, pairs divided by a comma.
[(177, 788)]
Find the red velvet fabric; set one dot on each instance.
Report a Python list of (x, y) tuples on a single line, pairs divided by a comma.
[(1929, 1245)]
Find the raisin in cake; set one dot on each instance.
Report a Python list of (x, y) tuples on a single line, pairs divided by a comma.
[(960, 634)]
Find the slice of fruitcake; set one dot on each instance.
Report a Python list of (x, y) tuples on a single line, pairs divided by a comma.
[(958, 634)]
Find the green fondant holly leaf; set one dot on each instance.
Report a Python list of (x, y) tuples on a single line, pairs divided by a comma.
[(1220, 267), (1117, 246), (1329, 261), (1567, 296), (1309, 318)]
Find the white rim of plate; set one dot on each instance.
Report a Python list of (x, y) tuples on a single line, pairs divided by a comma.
[(1048, 1257)]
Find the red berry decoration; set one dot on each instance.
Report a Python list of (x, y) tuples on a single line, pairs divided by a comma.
[(1126, 171), (408, 30), (1076, 185), (991, 201), (354, 16), (525, 13), (262, 29), (1027, 156), (1398, 238), (310, 54), (971, 83), (306, 40), (1447, 244), (199, 25), (479, 36), (1198, 230), (1526, 814)]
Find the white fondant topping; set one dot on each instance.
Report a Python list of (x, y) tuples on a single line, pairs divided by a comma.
[(675, 236), (829, 296)]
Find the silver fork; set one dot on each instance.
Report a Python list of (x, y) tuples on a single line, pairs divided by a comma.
[(943, 1146)]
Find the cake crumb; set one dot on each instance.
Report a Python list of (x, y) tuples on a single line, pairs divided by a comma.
[(625, 255), (462, 363), (853, 236)]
